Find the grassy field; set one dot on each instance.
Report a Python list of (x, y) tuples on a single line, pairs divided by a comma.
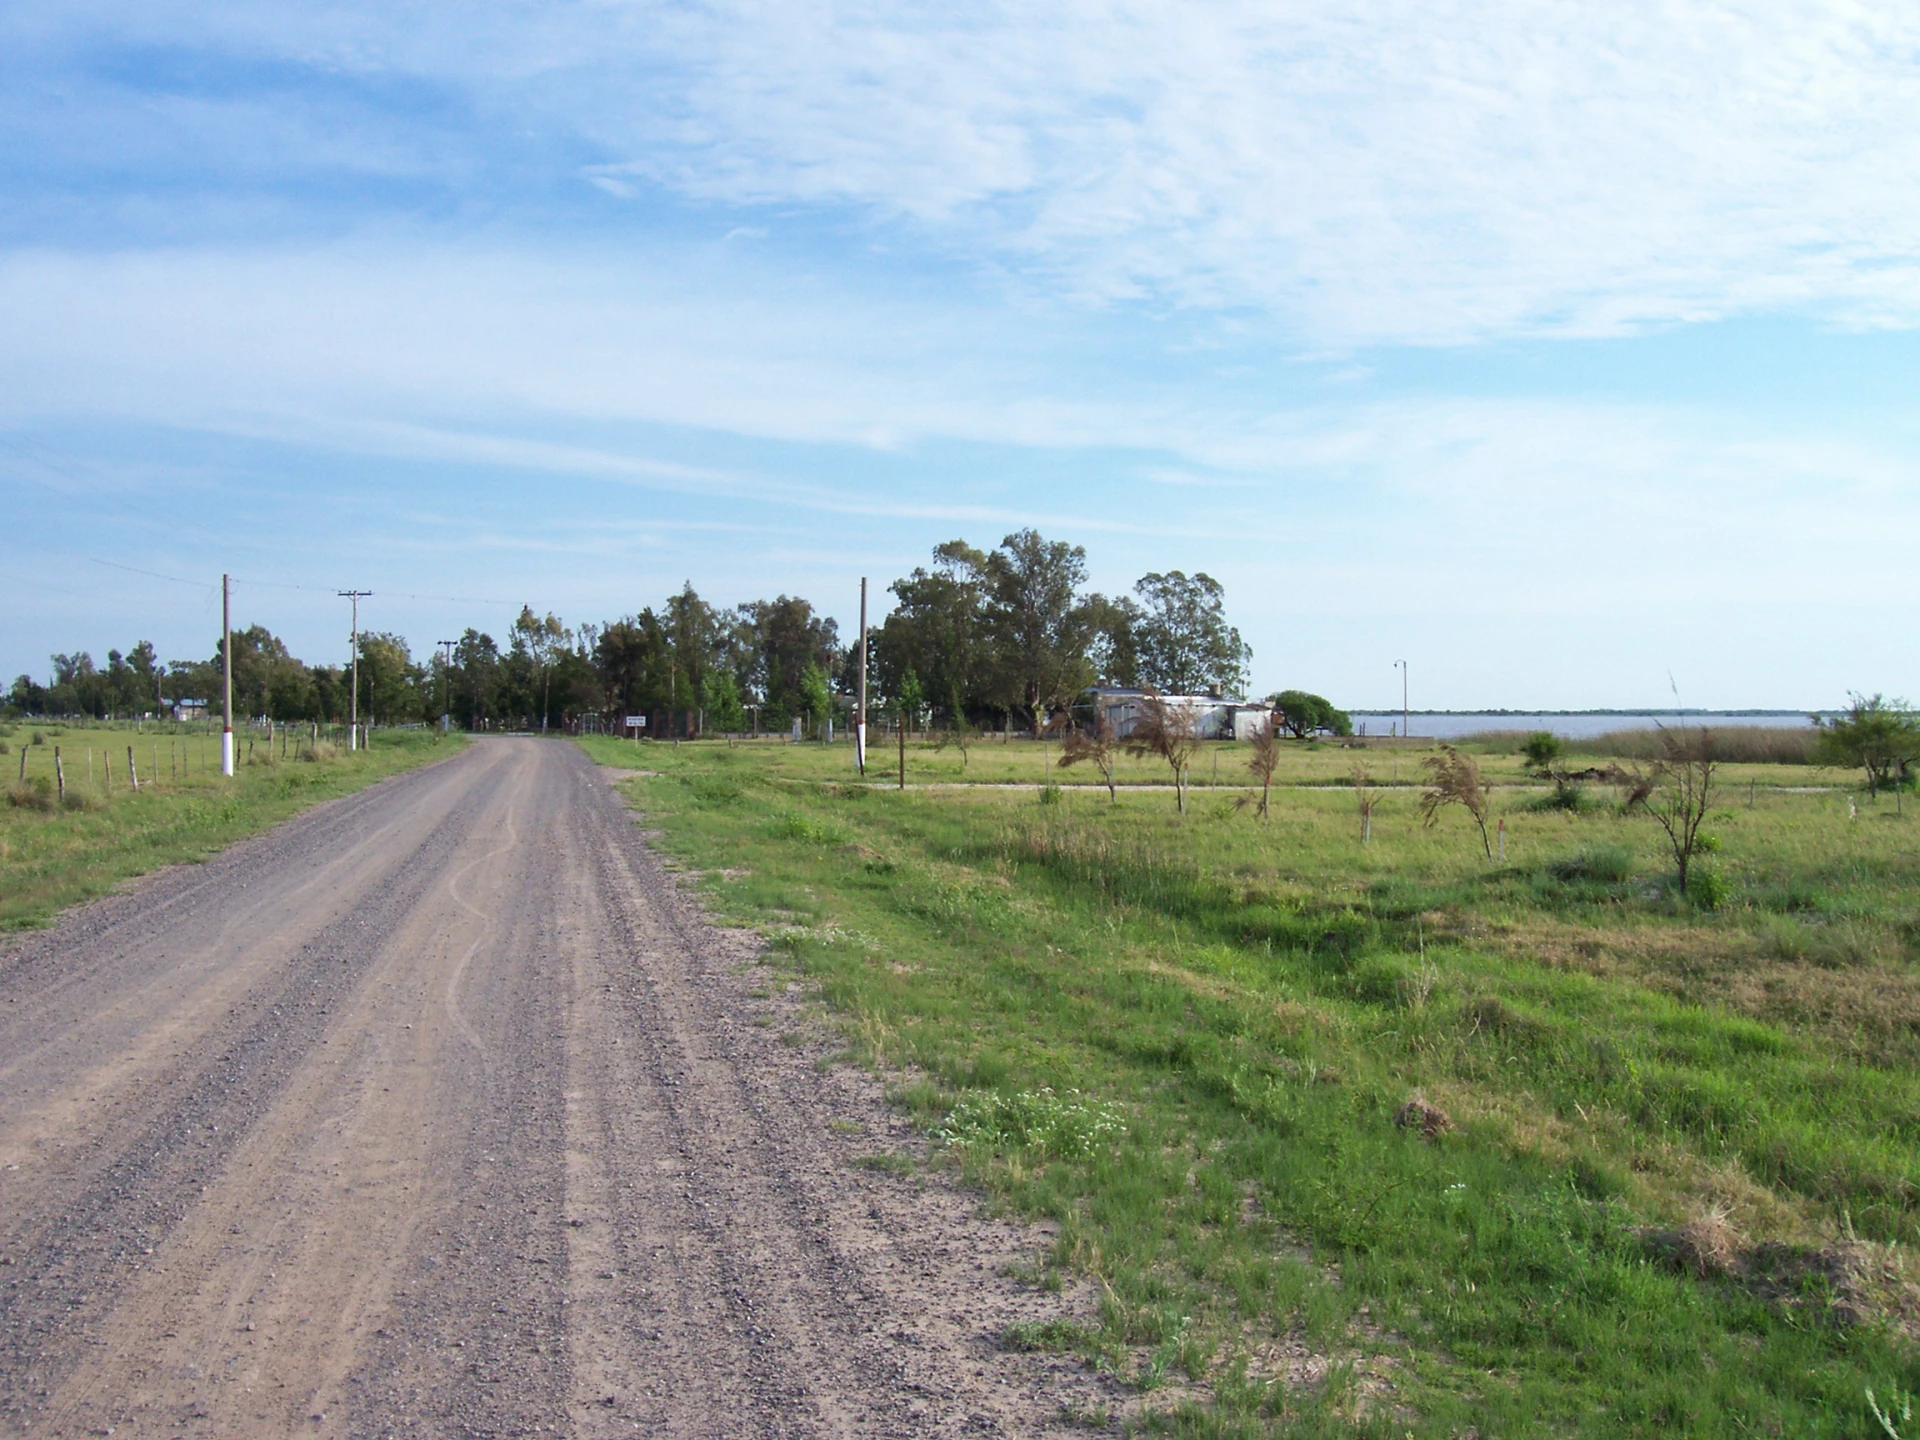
[(1381, 1138), (994, 760), (53, 855)]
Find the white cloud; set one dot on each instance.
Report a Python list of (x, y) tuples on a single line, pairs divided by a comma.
[(1386, 170)]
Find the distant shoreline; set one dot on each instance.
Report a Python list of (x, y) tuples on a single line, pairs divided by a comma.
[(1521, 712)]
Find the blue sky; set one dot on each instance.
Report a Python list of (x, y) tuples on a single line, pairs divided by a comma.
[(1556, 348)]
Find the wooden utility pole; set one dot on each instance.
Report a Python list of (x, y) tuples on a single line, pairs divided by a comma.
[(860, 712), (226, 677), (353, 696)]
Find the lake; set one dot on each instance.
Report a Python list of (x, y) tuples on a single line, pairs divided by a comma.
[(1572, 724)]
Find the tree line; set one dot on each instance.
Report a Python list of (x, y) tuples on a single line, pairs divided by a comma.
[(976, 637)]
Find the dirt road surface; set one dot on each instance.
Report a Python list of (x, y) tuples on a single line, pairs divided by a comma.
[(440, 1111)]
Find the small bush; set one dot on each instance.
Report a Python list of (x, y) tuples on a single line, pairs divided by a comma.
[(320, 752), (1567, 795), (1542, 748), (34, 794), (38, 738), (1065, 1126), (1707, 886)]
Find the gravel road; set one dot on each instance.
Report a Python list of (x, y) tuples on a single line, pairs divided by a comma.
[(441, 1111)]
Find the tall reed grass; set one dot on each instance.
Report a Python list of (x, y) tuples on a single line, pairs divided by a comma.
[(1734, 744)]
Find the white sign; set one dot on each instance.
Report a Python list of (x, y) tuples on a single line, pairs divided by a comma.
[(636, 722)]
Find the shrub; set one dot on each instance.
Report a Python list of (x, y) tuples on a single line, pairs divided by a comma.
[(1877, 735), (1707, 887), (1542, 748), (34, 794), (1455, 780), (1567, 795)]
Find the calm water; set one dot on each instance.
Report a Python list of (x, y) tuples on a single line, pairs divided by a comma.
[(1575, 726)]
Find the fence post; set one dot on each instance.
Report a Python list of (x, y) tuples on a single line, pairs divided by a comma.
[(59, 775), (133, 775)]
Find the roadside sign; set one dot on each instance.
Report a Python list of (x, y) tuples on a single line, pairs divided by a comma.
[(636, 722)]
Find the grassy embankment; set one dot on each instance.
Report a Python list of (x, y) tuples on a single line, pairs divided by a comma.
[(1684, 1156), (54, 855)]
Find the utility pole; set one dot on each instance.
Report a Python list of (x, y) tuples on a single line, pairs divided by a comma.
[(353, 694), (860, 713), (446, 687), (1402, 666), (226, 676)]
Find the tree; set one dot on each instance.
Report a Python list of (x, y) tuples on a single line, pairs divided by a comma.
[(390, 683), (476, 678), (959, 734), (1877, 735), (937, 630), (1454, 779), (540, 640), (815, 696), (720, 696), (1185, 645), (1368, 798), (1264, 760), (692, 629), (1303, 715), (1171, 731), (908, 701), (1040, 626), (1681, 786), (1113, 648), (782, 637), (1099, 747)]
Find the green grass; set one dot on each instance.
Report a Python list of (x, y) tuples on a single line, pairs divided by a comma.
[(54, 857), (1253, 1003), (996, 760)]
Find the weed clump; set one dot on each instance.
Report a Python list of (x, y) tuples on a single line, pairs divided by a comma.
[(1608, 866), (1567, 795), (1430, 1120), (1065, 1126), (1026, 1336), (1705, 1246), (34, 794)]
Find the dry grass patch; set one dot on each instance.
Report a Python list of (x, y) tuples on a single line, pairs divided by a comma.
[(1871, 1006)]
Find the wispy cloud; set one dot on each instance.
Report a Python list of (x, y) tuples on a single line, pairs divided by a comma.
[(1391, 170)]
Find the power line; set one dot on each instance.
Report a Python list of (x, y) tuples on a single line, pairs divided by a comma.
[(289, 585), (151, 574)]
